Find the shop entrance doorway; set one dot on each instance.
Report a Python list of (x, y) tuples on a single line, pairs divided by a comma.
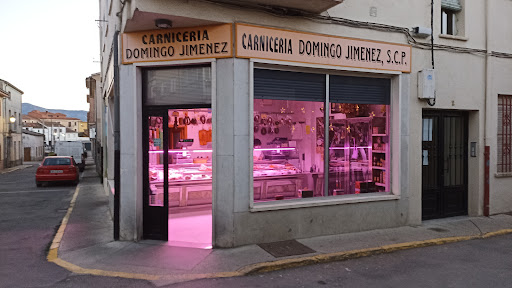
[(178, 164), (179, 177), (444, 164)]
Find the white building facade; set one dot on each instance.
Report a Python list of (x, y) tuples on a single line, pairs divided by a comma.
[(314, 123), (33, 146), (95, 119), (11, 153)]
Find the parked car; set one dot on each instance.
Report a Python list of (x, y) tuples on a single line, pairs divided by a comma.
[(57, 169), (72, 148)]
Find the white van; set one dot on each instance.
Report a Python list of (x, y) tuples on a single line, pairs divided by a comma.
[(74, 149)]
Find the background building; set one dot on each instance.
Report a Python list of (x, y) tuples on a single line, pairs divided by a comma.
[(413, 100), (33, 146), (53, 131), (95, 119), (62, 119), (11, 153), (83, 129)]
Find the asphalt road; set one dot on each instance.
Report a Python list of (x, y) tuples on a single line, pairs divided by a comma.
[(29, 217), (475, 263)]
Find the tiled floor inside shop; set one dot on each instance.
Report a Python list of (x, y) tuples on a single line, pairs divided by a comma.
[(190, 226)]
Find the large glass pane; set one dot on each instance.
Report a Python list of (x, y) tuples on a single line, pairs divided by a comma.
[(190, 149), (358, 148), (288, 149), (156, 161)]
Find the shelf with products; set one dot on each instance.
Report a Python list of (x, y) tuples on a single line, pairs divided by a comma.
[(380, 149), (379, 126)]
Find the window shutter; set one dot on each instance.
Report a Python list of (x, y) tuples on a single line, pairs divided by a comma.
[(284, 85), (178, 86), (453, 5), (359, 90)]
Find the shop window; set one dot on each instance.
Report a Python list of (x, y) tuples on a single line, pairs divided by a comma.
[(290, 135), (504, 134), (358, 135), (288, 155)]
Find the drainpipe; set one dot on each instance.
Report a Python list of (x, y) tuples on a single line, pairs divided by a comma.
[(487, 105), (117, 140)]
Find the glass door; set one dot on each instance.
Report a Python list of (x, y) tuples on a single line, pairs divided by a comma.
[(156, 200)]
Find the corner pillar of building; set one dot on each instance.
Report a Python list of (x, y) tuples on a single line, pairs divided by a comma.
[(131, 153), (231, 144)]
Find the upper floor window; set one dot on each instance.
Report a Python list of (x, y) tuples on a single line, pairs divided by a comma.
[(450, 12)]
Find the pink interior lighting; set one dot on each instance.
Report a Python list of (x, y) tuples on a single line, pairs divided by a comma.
[(344, 148), (179, 151), (191, 228), (274, 149)]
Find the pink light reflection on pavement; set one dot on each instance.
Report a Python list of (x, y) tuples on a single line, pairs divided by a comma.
[(191, 227)]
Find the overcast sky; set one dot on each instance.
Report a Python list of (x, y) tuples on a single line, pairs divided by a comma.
[(48, 48)]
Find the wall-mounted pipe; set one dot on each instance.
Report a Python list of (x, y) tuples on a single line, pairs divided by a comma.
[(487, 105)]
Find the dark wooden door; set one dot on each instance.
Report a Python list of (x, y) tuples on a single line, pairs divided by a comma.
[(156, 186), (444, 164), (26, 154)]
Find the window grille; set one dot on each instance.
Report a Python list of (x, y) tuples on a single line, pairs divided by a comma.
[(504, 133)]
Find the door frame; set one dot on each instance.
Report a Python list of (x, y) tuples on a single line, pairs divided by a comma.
[(152, 212), (442, 115), (162, 110)]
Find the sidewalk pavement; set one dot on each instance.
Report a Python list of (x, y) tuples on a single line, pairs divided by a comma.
[(25, 164), (84, 244)]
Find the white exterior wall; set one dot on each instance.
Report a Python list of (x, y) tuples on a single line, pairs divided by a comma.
[(36, 145), (12, 104), (467, 82), (499, 75)]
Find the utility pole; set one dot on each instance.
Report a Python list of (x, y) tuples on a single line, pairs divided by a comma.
[(51, 132)]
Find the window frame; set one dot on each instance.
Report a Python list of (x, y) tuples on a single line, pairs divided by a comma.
[(392, 194), (504, 130), (448, 22)]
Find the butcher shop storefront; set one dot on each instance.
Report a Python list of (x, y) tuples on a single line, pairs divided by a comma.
[(251, 134)]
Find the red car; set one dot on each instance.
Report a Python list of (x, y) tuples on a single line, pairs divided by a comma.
[(57, 169)]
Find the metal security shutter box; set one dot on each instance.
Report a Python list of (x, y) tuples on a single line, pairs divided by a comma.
[(178, 86), (358, 90), (284, 85), (453, 5)]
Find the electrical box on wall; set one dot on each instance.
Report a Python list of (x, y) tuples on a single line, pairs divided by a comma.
[(426, 84)]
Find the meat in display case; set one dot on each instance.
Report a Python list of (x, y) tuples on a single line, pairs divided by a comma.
[(185, 144), (275, 172), (189, 183)]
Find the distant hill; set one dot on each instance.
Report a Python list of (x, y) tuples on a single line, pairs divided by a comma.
[(80, 114)]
